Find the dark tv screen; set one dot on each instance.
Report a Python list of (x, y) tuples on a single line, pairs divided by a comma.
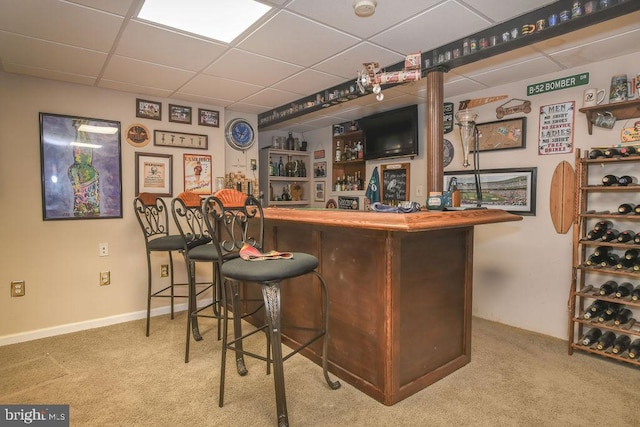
[(391, 134)]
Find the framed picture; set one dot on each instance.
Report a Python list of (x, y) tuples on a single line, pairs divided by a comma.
[(318, 154), (319, 191), (179, 114), (154, 174), (502, 134), (208, 118), (197, 173), (395, 183), (513, 190), (167, 138), (148, 109), (81, 167), (320, 170)]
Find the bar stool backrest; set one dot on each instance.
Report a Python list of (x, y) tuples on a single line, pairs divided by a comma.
[(186, 209), (152, 214)]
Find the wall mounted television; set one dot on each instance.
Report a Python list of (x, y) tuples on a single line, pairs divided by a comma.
[(391, 134)]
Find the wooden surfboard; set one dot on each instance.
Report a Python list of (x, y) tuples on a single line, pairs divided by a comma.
[(562, 198)]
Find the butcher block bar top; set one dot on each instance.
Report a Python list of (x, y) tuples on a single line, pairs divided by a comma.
[(400, 289)]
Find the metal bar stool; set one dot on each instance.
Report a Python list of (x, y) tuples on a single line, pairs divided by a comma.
[(153, 218), (248, 220)]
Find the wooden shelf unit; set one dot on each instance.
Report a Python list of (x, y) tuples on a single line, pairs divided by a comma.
[(621, 110), (349, 167)]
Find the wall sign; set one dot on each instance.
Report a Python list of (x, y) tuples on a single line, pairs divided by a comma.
[(556, 128), (448, 117), (348, 203), (395, 183), (558, 84)]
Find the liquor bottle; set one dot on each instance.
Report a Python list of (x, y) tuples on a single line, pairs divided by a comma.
[(281, 170), (626, 236), (626, 208), (611, 152), (635, 294), (634, 349), (338, 152), (291, 143), (628, 151), (610, 235), (606, 340), (625, 180), (591, 337), (608, 180), (596, 154), (603, 226), (608, 287), (621, 344), (622, 317), (594, 310), (339, 184)]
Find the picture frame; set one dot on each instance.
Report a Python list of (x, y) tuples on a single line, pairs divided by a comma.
[(208, 118), (319, 191), (318, 154), (510, 189), (179, 114), (154, 174), (169, 138), (81, 167), (197, 174), (502, 134), (395, 183), (320, 170), (148, 109)]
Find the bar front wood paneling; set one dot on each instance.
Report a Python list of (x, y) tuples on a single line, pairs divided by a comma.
[(400, 292)]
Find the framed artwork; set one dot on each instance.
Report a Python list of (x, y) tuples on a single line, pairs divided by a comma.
[(81, 167), (319, 191), (318, 154), (395, 183), (154, 174), (179, 114), (502, 134), (167, 138), (513, 190), (148, 109), (208, 118), (197, 173), (320, 170)]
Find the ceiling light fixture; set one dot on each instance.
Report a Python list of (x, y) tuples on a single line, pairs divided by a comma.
[(364, 8)]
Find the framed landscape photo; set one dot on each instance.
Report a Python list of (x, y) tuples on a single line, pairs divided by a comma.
[(148, 109), (81, 167), (502, 134), (154, 174), (179, 114), (208, 118), (513, 190)]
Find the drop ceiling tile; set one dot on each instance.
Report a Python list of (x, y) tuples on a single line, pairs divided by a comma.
[(73, 25), (216, 87), (507, 9), (49, 74), (169, 48), (348, 63), (600, 50), (245, 66), (309, 82), (199, 99), (516, 72), (120, 7), (127, 70), (272, 98), (128, 87), (460, 86), (500, 61), (430, 30), (296, 40), (243, 107)]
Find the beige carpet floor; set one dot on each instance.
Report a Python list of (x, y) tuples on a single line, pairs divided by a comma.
[(115, 376)]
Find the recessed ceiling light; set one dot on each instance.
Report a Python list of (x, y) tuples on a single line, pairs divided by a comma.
[(222, 20)]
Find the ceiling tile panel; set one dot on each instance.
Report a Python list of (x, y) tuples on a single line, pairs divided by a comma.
[(140, 89), (217, 87), (239, 65), (516, 72), (308, 82), (506, 9), (601, 50), (271, 98), (348, 63), (49, 74), (120, 7), (143, 73)]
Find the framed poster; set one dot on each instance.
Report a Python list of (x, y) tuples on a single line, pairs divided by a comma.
[(395, 183), (81, 167), (179, 114), (319, 191), (502, 134), (148, 109), (513, 190), (154, 174), (197, 173), (320, 170), (556, 128), (208, 118)]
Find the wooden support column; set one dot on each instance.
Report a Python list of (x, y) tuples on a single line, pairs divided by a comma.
[(435, 129)]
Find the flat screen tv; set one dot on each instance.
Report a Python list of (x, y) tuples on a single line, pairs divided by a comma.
[(391, 134)]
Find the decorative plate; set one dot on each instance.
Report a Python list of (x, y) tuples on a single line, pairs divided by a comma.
[(239, 134), (138, 135), (447, 152)]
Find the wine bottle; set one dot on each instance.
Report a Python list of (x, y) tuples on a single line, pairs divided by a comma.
[(636, 239), (610, 235), (625, 263), (594, 310), (611, 152), (636, 210), (626, 236), (603, 225), (628, 151), (625, 180), (613, 308), (610, 312), (621, 344), (291, 143), (632, 254), (610, 260), (596, 154), (634, 349), (591, 337), (595, 234), (622, 317), (606, 340), (608, 287), (609, 180), (626, 208), (602, 251), (635, 294)]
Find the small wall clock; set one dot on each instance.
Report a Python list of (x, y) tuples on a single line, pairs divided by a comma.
[(239, 134)]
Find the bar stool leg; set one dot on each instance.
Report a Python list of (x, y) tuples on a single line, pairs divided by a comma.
[(172, 282), (148, 291), (334, 385), (237, 328), (271, 296)]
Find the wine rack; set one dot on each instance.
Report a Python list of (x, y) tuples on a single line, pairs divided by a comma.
[(597, 203)]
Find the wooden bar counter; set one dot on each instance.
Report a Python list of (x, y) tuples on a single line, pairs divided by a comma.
[(400, 292)]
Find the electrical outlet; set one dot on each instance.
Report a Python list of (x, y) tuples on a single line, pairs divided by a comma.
[(105, 278), (419, 191), (103, 249), (164, 270), (254, 165), (17, 288)]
